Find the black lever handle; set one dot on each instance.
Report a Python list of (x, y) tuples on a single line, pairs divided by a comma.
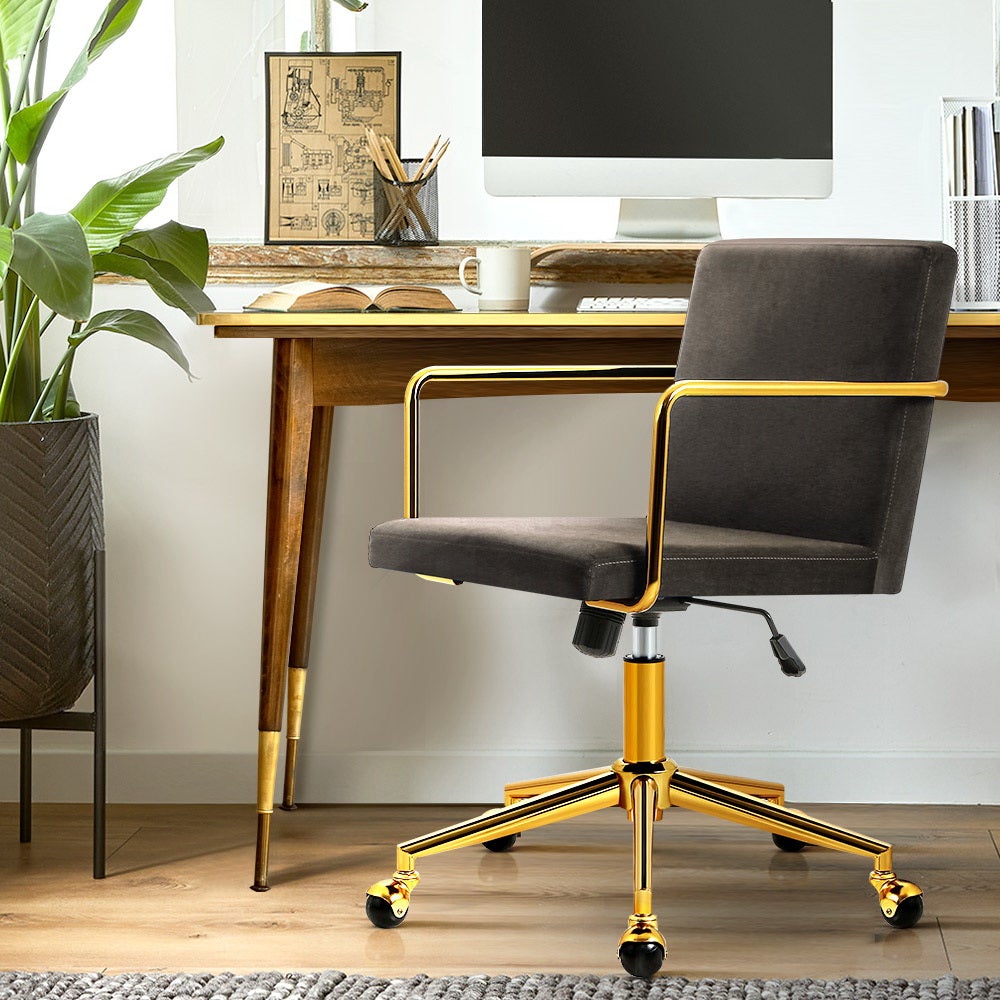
[(791, 664)]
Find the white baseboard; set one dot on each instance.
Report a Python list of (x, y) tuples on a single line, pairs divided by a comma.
[(429, 777)]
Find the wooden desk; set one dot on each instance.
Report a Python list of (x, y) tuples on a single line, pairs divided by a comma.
[(326, 360)]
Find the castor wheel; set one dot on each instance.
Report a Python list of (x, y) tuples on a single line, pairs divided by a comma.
[(381, 913), (908, 912), (641, 958), (388, 902), (789, 844), (501, 844), (901, 903)]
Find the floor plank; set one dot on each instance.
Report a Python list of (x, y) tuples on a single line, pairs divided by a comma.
[(177, 895)]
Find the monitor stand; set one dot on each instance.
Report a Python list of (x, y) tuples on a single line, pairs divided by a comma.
[(672, 220)]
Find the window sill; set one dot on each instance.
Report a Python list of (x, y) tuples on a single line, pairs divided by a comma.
[(379, 265)]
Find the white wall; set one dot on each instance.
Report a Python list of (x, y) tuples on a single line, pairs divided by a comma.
[(899, 701), (123, 113)]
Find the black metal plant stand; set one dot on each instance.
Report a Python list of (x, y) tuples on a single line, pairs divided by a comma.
[(82, 722)]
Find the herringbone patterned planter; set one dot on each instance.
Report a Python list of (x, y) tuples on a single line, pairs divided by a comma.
[(51, 522)]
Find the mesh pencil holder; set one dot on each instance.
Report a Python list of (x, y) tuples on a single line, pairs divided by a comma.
[(972, 198), (406, 212), (972, 227)]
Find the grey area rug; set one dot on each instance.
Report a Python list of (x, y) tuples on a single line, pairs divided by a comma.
[(340, 986)]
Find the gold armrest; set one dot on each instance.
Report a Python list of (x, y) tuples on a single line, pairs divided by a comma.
[(656, 513), (511, 373)]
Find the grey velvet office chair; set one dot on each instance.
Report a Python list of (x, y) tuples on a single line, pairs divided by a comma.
[(786, 459)]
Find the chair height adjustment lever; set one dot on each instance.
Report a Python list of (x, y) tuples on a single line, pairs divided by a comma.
[(791, 664)]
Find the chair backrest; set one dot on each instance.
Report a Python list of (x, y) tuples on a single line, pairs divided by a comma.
[(789, 309)]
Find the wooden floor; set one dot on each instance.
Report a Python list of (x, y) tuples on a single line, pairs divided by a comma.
[(177, 895)]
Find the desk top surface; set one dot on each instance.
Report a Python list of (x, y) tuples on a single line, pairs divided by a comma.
[(530, 319), (518, 325), (960, 324)]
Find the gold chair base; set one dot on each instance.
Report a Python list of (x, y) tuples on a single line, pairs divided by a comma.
[(645, 789), (661, 786)]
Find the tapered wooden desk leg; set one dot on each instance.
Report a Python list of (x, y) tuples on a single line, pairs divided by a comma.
[(305, 591), (25, 794), (100, 718), (291, 433)]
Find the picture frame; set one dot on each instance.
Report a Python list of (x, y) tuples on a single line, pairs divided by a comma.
[(319, 186)]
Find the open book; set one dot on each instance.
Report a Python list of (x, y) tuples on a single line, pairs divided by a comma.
[(314, 296)]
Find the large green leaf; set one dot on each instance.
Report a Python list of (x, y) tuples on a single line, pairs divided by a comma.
[(111, 25), (138, 324), (17, 24), (111, 208), (51, 257), (29, 125), (168, 282), (6, 249), (183, 246)]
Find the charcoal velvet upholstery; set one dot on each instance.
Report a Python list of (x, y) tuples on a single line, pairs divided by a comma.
[(764, 496), (601, 558)]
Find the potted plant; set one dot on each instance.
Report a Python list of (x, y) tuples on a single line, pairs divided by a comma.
[(51, 519)]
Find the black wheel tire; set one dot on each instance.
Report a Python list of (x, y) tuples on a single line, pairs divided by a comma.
[(380, 913), (641, 959), (789, 844), (908, 913), (501, 844)]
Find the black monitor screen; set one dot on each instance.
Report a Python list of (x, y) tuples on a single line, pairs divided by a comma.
[(717, 79)]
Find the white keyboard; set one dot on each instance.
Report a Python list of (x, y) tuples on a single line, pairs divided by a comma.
[(630, 303)]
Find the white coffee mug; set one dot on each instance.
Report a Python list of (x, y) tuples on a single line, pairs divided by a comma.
[(503, 278)]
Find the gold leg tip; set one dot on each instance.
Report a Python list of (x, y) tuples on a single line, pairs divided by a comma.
[(641, 929)]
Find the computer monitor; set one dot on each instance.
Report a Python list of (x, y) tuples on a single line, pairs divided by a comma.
[(686, 100)]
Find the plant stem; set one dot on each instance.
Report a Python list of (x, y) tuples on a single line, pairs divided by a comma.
[(44, 395), (15, 351), (14, 301), (22, 83), (9, 294), (28, 364), (47, 323), (5, 108), (13, 212), (43, 51), (4, 83), (62, 386), (36, 92), (37, 338)]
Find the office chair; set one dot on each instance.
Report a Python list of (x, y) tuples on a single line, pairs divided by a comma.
[(786, 459)]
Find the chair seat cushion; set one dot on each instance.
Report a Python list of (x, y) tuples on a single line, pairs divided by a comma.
[(604, 558)]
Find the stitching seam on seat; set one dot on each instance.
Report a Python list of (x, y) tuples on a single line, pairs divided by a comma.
[(558, 558), (906, 411), (892, 483), (920, 316)]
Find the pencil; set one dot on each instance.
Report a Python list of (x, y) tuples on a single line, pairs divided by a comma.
[(437, 159), (423, 163)]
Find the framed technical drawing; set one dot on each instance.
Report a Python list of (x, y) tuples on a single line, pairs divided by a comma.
[(319, 185)]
